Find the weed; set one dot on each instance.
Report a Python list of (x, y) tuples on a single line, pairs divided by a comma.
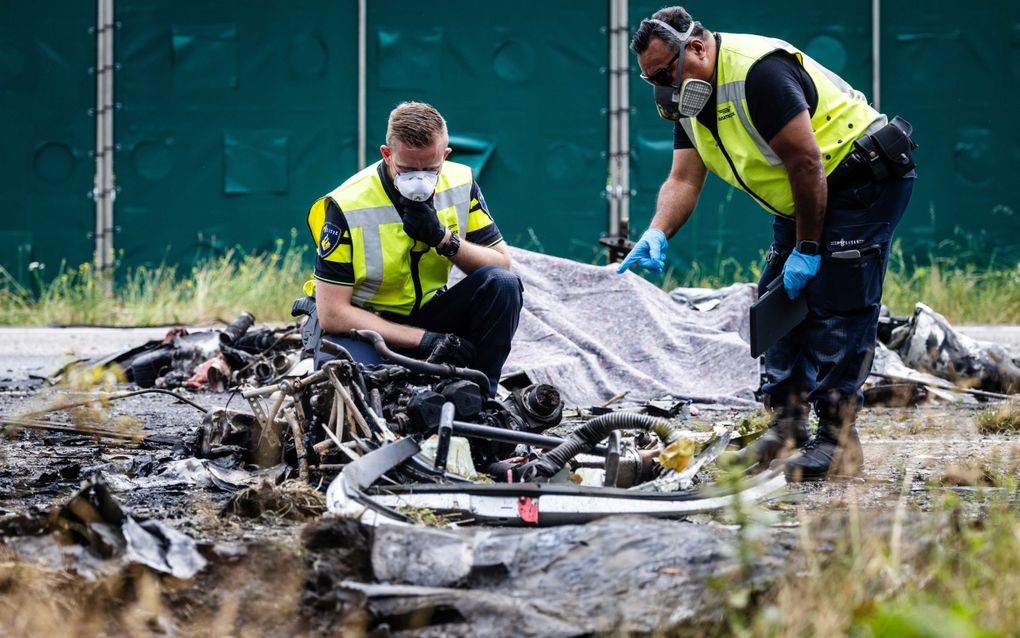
[(1001, 419), (266, 283), (951, 280), (289, 500), (215, 288), (425, 516), (753, 422), (909, 574)]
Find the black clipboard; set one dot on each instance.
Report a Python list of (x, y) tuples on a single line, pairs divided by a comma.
[(774, 315)]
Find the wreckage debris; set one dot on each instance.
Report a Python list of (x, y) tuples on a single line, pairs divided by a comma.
[(93, 534), (212, 359), (410, 435), (923, 356)]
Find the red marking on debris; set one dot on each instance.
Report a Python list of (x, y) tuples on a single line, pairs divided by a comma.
[(173, 333), (202, 377), (528, 509)]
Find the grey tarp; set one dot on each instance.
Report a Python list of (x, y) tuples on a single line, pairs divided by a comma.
[(593, 333)]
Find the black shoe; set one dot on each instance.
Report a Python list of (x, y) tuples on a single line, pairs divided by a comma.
[(829, 454), (786, 434)]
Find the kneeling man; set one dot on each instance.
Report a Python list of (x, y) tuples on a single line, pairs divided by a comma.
[(387, 238)]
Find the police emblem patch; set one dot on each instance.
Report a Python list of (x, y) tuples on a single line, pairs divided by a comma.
[(329, 239)]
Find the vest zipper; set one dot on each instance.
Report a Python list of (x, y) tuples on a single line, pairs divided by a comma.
[(416, 279), (746, 188)]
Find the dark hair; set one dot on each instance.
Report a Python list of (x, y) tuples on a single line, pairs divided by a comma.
[(676, 17)]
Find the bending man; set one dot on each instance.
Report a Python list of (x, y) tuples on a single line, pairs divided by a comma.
[(836, 174)]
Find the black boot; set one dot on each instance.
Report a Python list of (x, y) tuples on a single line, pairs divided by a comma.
[(835, 451), (787, 432)]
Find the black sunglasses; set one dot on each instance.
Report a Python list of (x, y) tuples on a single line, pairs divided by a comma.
[(661, 77)]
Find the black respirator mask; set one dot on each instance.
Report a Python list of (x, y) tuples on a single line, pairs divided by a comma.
[(686, 98)]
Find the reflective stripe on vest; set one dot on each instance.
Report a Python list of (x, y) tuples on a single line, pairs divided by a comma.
[(385, 260), (741, 156)]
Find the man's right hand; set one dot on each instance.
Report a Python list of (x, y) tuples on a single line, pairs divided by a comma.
[(647, 253), (438, 347), (421, 223)]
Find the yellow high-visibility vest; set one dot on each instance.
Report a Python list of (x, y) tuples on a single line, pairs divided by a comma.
[(741, 156), (392, 272)]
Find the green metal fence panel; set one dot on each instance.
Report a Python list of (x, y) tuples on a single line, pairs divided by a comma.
[(234, 117), (524, 93), (47, 91), (727, 224), (956, 77)]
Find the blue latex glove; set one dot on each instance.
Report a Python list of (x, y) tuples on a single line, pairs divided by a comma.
[(799, 270), (647, 253)]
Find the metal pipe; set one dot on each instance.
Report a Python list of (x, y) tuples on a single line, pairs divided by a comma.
[(442, 370), (103, 190), (623, 127), (876, 53), (99, 179), (362, 90), (545, 442), (299, 444), (614, 103), (110, 192)]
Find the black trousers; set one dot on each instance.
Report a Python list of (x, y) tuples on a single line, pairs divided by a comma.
[(484, 308), (827, 358)]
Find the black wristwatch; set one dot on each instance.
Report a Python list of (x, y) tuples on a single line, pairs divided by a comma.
[(808, 247), (451, 247)]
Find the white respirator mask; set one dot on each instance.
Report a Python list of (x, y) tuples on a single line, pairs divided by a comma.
[(417, 186), (687, 98)]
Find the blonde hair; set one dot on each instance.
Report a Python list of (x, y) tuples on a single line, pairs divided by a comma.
[(416, 125)]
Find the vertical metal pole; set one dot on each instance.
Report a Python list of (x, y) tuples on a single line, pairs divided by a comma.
[(110, 191), (618, 182), (100, 177), (623, 124), (614, 122), (876, 51), (103, 190), (362, 95)]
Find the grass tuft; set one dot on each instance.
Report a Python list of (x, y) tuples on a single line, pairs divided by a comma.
[(290, 500), (953, 284), (943, 574), (219, 288), (959, 290), (214, 289), (1001, 419)]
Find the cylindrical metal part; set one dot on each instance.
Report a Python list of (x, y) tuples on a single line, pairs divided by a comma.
[(236, 328), (441, 370), (473, 430)]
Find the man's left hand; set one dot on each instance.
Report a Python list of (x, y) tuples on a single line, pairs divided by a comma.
[(421, 223), (799, 270)]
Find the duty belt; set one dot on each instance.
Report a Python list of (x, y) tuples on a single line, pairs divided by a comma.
[(885, 153)]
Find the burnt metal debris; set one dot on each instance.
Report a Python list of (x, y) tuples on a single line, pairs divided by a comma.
[(93, 534), (409, 435), (406, 435)]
